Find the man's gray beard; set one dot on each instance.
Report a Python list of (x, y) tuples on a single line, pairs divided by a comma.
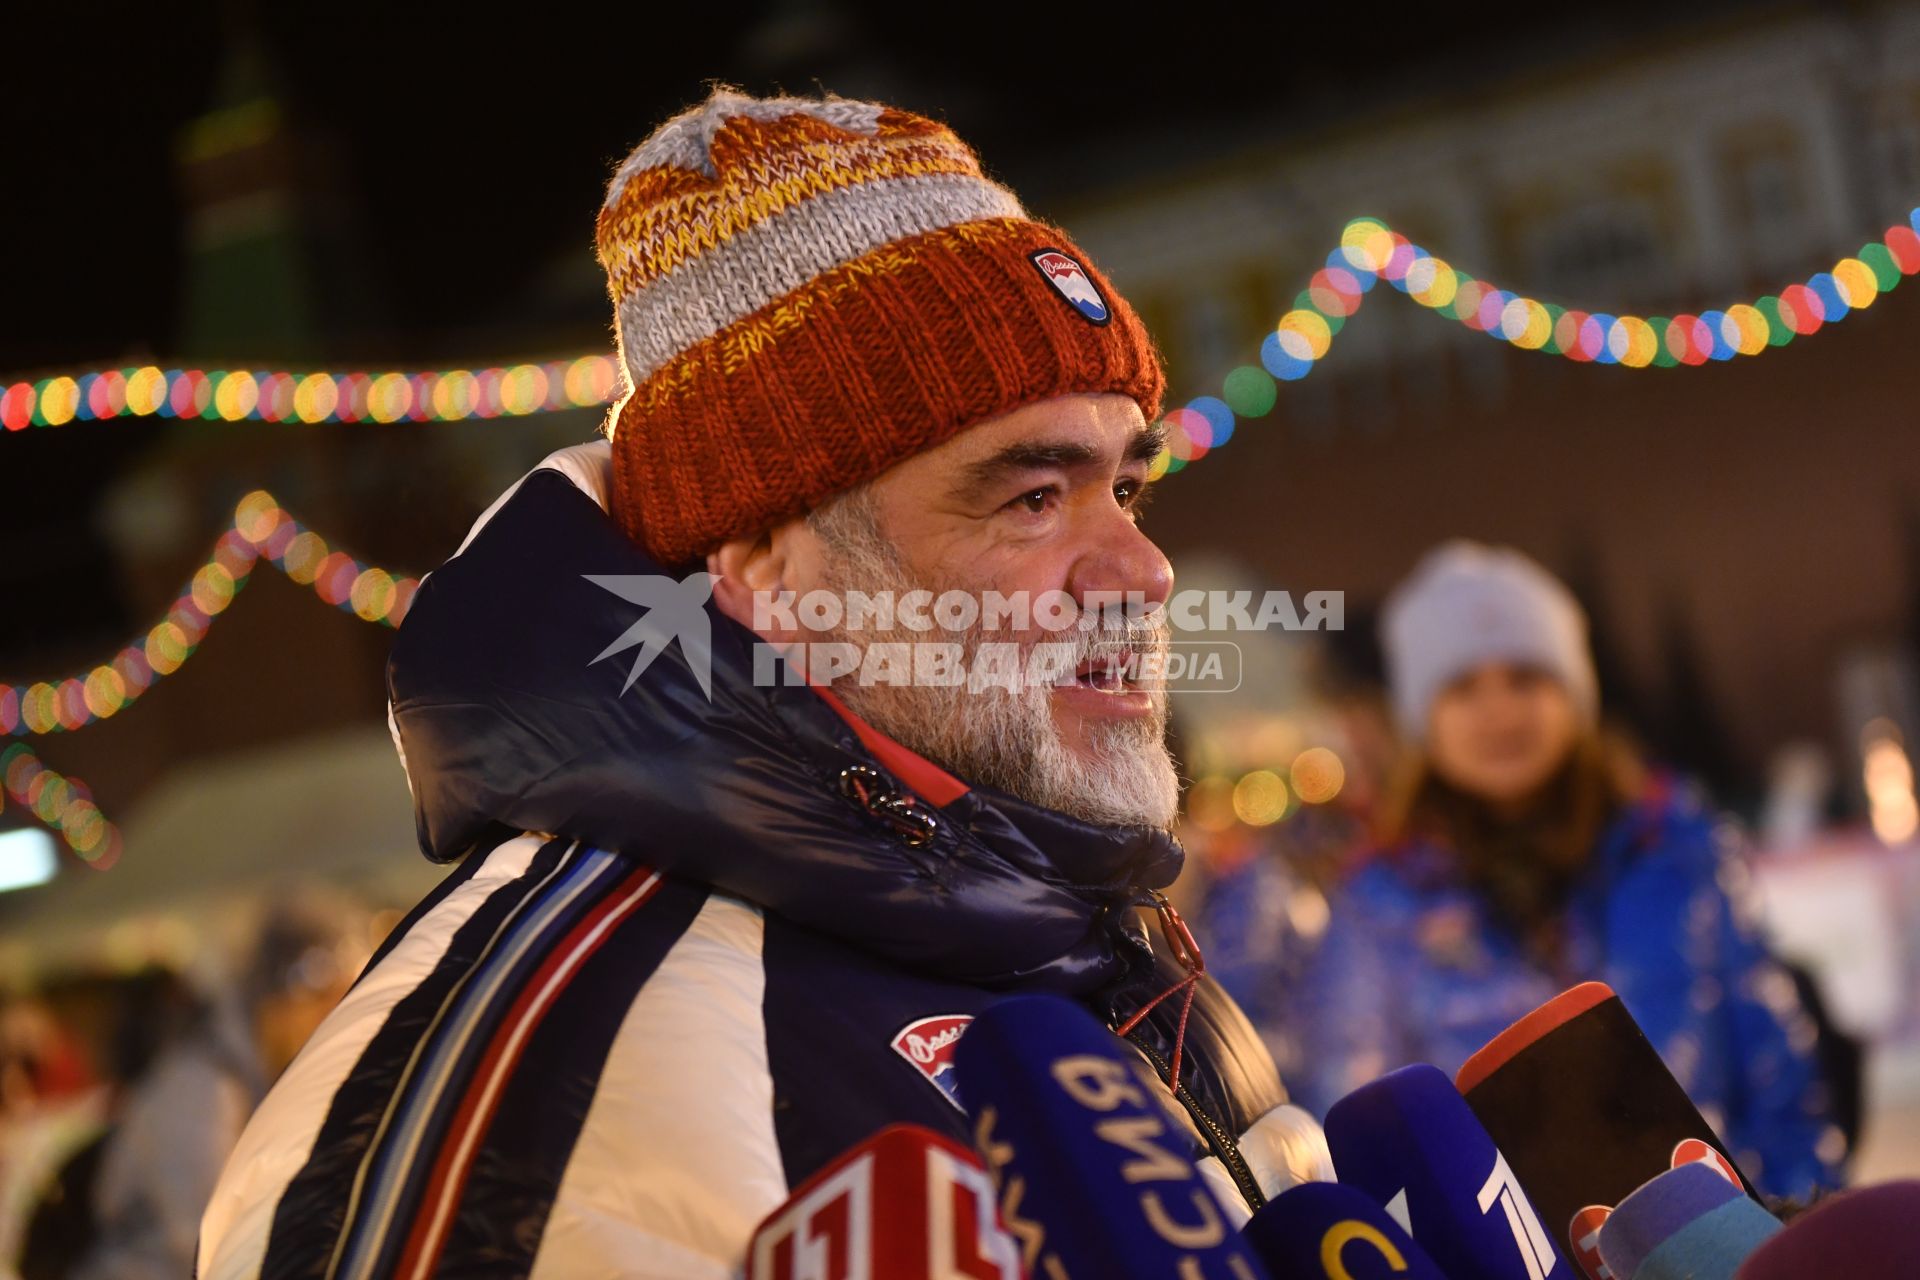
[(989, 734)]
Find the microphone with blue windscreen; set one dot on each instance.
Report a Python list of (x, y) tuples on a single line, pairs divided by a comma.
[(1410, 1141), (1324, 1231), (1689, 1223), (1095, 1173)]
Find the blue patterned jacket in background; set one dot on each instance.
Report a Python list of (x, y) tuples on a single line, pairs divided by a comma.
[(1411, 968)]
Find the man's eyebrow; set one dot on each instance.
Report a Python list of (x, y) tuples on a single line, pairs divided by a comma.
[(1040, 455), (1027, 455), (1147, 443)]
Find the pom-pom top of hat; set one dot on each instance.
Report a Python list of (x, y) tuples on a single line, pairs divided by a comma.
[(734, 164)]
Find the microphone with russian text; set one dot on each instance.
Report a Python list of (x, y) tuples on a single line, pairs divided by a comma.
[(1411, 1143), (1093, 1170), (1871, 1233), (905, 1203), (1586, 1111), (1689, 1223), (1326, 1231)]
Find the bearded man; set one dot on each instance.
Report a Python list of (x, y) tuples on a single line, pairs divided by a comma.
[(708, 929)]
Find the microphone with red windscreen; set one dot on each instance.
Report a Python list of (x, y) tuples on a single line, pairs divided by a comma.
[(1586, 1112), (905, 1203)]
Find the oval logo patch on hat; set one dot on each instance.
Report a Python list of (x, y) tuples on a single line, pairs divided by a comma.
[(1072, 282)]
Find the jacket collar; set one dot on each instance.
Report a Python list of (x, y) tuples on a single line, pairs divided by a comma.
[(771, 794)]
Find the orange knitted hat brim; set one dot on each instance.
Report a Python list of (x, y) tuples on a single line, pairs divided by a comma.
[(857, 369)]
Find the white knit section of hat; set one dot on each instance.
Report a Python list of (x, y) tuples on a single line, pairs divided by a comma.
[(685, 141), (777, 255)]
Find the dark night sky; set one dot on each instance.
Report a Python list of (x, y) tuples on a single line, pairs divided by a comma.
[(468, 154), (474, 152)]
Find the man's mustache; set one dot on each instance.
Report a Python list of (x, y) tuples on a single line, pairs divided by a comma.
[(1130, 636)]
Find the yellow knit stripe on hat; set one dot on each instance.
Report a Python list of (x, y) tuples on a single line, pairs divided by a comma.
[(664, 216), (766, 263), (730, 207)]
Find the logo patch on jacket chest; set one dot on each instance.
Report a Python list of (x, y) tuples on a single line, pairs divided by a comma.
[(928, 1045)]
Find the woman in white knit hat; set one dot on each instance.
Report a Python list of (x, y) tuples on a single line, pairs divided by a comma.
[(1526, 851)]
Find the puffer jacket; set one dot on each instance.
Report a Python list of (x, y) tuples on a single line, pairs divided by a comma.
[(701, 937)]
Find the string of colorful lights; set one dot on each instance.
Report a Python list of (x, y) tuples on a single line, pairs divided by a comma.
[(244, 395), (1371, 251), (64, 804), (260, 528)]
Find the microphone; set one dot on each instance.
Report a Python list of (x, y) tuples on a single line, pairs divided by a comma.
[(906, 1202), (1411, 1142), (1285, 1148), (1586, 1111), (1326, 1231), (1092, 1167), (1689, 1223), (1864, 1234)]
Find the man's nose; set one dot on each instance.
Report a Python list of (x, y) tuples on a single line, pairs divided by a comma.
[(1120, 562)]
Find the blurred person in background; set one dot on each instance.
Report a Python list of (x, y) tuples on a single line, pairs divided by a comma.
[(207, 1066), (1526, 851), (51, 1108)]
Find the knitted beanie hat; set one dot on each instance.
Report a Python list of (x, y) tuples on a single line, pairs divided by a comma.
[(1467, 605), (807, 291)]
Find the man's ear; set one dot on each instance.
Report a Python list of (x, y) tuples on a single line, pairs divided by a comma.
[(758, 568)]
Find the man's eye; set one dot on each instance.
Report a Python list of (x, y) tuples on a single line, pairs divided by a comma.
[(1132, 494), (1035, 501)]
